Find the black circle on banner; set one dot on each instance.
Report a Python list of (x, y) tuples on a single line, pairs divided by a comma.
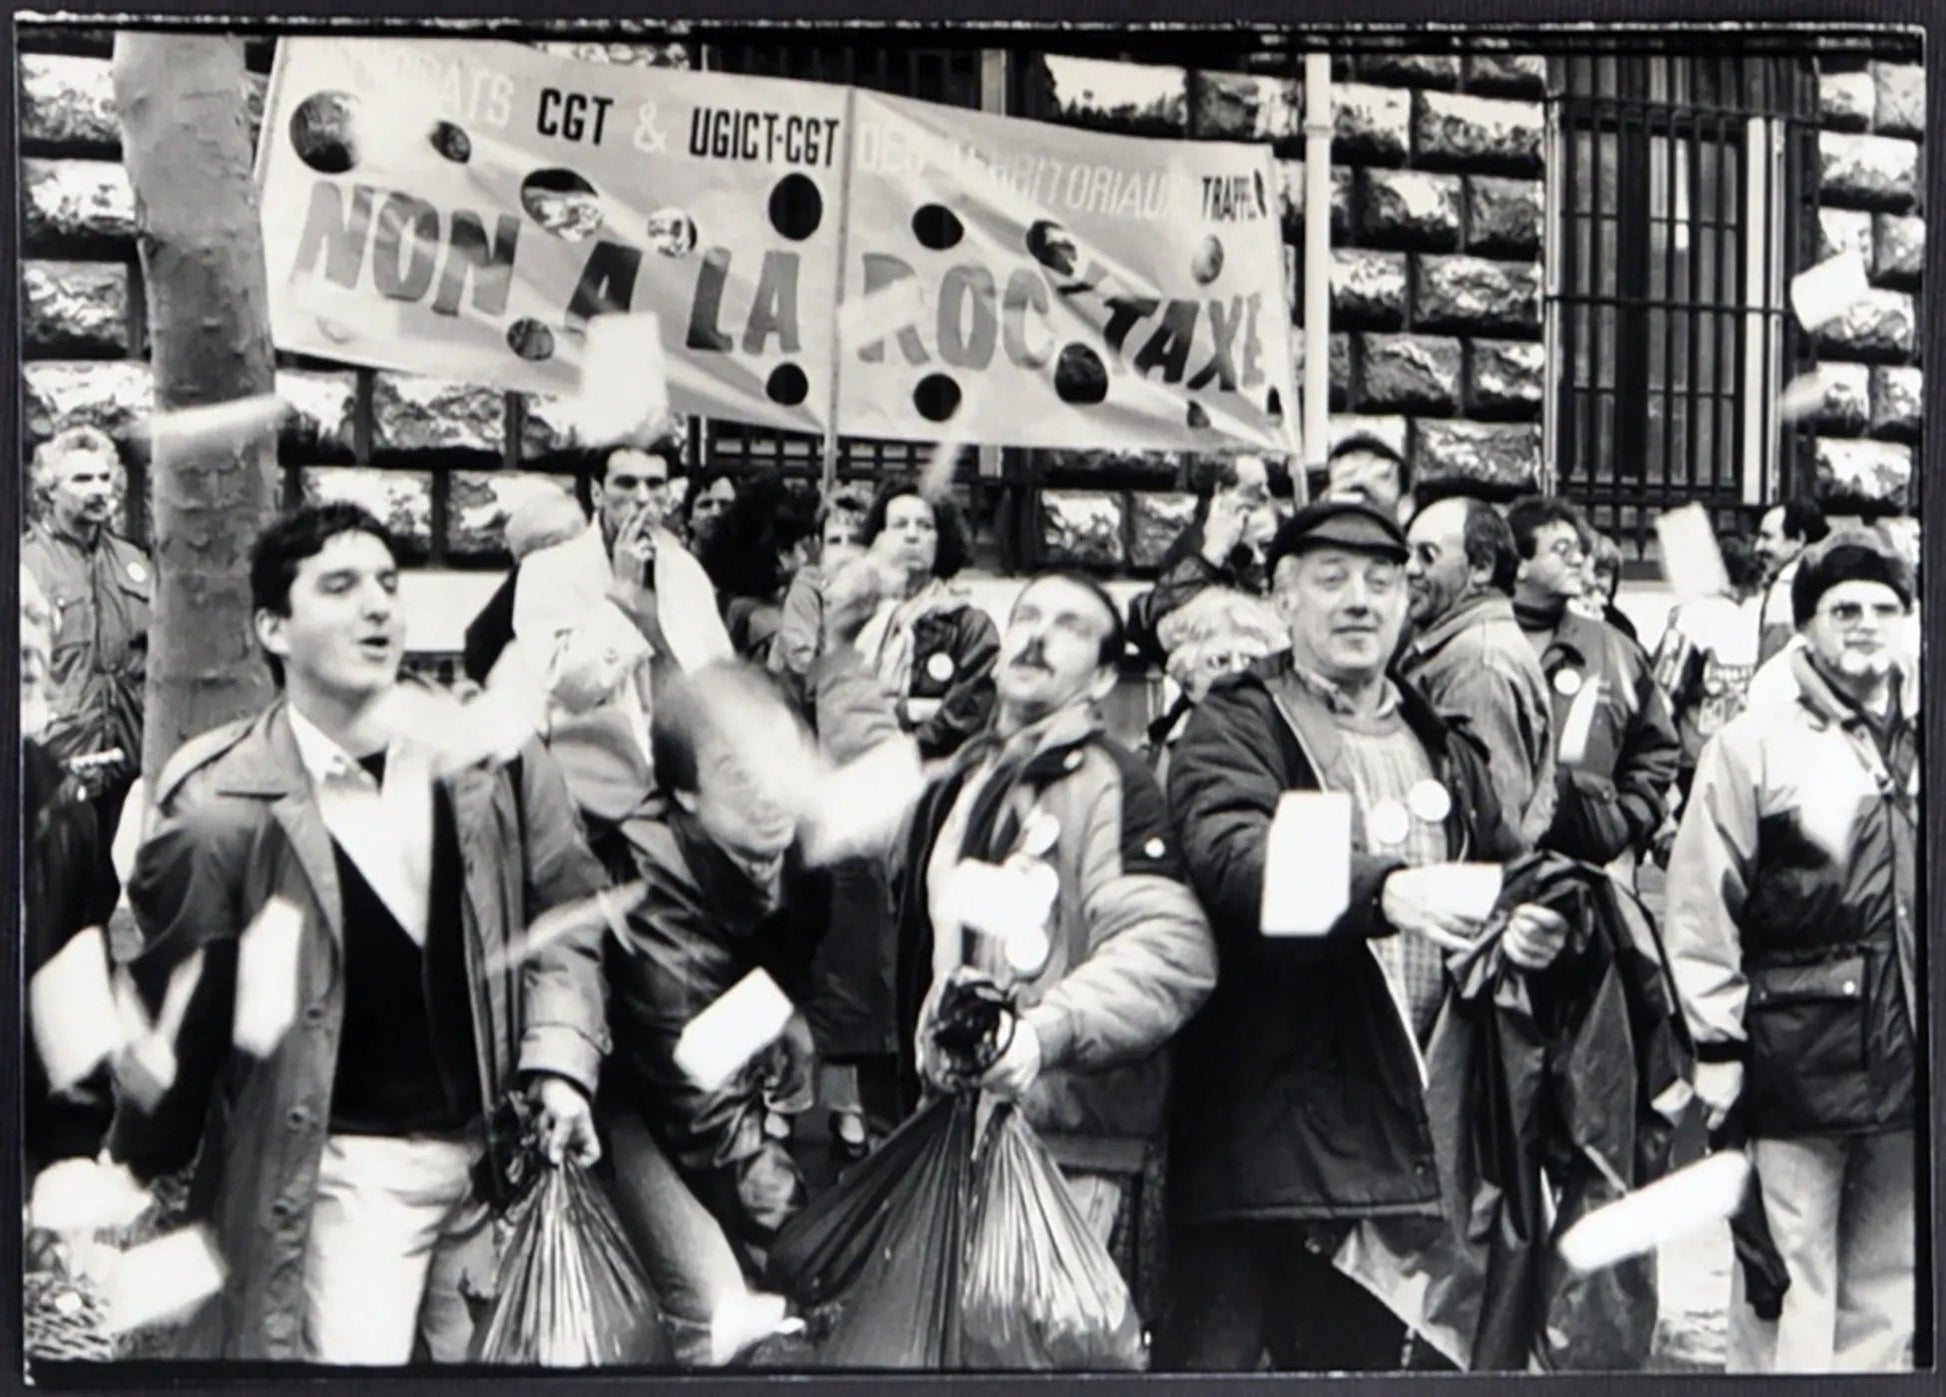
[(1052, 247), (562, 202), (1197, 416), (1080, 377), (672, 232), (530, 339), (787, 385), (937, 397), (322, 132), (937, 227), (452, 143), (796, 207), (1207, 265)]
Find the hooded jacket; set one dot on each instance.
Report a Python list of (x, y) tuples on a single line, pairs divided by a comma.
[(1300, 1089), (1474, 664), (1792, 913)]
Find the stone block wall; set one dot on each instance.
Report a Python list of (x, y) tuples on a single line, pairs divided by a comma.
[(442, 463), (1436, 207), (1871, 201)]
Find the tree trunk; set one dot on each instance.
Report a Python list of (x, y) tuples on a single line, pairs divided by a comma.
[(186, 144)]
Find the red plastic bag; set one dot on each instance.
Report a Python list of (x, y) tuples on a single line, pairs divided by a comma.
[(903, 1308), (570, 1291), (1040, 1291)]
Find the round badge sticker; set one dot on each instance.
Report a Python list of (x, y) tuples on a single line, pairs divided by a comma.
[(1430, 802), (940, 668), (138, 572), (1027, 949), (1037, 836), (1567, 682), (1388, 824)]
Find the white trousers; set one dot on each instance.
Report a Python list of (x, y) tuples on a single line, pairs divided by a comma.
[(1841, 1214), (397, 1243)]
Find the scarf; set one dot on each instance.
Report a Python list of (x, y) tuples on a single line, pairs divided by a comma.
[(886, 642)]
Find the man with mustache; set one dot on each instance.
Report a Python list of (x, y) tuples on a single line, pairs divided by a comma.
[(1791, 930), (1120, 958), (97, 584), (1299, 1108)]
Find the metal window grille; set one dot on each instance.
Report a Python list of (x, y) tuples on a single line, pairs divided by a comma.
[(1681, 189)]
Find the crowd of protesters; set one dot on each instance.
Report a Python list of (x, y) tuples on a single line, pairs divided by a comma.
[(1452, 661)]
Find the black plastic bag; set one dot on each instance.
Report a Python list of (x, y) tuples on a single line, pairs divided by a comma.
[(570, 1291), (1041, 1292), (824, 1246), (903, 1308)]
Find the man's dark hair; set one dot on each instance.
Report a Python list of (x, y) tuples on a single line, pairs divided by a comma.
[(1115, 641), (695, 704), (284, 544), (1528, 516), (1741, 565), (1365, 444), (955, 545), (591, 465), (768, 517), (1804, 520), (1490, 544)]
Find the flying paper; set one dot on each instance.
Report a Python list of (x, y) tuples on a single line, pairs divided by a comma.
[(1307, 863), (1690, 560), (162, 1279), (747, 1019), (1579, 724), (608, 908), (746, 1319), (1676, 1206), (216, 427), (1802, 396), (85, 1195), (1008, 901), (858, 808), (936, 480), (1826, 291), (73, 1004), (624, 381), (866, 320), (145, 1066), (266, 989)]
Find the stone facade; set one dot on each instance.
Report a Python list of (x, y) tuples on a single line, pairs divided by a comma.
[(1860, 446), (1438, 198), (438, 451)]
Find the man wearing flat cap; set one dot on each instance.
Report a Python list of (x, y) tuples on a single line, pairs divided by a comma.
[(1791, 930), (1299, 1108)]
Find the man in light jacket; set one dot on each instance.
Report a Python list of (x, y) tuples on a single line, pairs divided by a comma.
[(343, 1153), (1791, 929), (1124, 958)]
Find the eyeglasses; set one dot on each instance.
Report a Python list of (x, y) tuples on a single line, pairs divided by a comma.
[(1850, 613)]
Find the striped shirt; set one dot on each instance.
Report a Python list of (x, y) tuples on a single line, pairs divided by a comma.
[(1385, 764)]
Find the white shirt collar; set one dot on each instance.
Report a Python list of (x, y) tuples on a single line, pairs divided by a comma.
[(323, 757)]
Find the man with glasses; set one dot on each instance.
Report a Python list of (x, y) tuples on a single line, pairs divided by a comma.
[(1791, 933), (1616, 744)]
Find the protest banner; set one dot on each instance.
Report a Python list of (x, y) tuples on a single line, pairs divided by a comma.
[(463, 208), (1078, 290)]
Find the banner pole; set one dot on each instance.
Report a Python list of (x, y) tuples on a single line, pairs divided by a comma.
[(828, 467)]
